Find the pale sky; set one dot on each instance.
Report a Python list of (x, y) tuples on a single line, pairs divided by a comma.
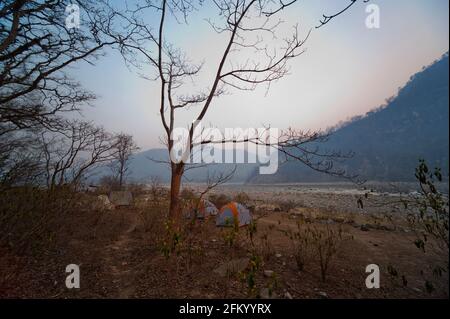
[(347, 70)]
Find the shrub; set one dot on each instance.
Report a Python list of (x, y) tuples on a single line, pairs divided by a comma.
[(242, 198), (219, 200), (325, 243), (301, 242)]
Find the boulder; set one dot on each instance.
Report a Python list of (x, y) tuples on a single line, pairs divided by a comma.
[(121, 198)]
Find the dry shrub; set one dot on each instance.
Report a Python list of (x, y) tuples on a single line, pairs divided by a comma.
[(137, 189), (151, 217), (323, 242), (219, 199), (242, 198), (187, 194), (30, 218), (108, 184)]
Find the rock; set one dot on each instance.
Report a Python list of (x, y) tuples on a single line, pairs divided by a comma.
[(323, 295), (364, 228), (103, 203), (233, 266), (278, 255), (268, 273), (265, 293), (287, 295), (121, 198)]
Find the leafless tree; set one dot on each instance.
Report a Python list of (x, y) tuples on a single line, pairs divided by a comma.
[(36, 48), (68, 156), (125, 147), (248, 60), (19, 160)]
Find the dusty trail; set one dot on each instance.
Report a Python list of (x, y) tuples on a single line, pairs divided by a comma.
[(117, 259)]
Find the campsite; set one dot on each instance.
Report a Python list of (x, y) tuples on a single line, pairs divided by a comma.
[(272, 150), (121, 252)]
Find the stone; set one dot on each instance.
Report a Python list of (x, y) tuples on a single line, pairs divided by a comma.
[(364, 228), (323, 295), (121, 198), (232, 267), (268, 273), (287, 295), (278, 255)]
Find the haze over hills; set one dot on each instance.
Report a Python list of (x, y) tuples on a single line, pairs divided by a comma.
[(150, 163), (387, 142)]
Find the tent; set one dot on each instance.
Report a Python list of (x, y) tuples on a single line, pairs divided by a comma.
[(233, 214), (205, 209)]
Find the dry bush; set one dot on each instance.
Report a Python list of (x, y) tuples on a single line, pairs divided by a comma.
[(187, 194), (30, 218), (151, 217), (242, 198), (301, 242), (219, 199), (137, 189), (108, 184), (265, 248), (287, 205), (319, 241), (325, 242)]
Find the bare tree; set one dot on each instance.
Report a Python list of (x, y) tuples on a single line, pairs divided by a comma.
[(36, 48), (69, 156), (125, 147), (248, 60), (19, 160)]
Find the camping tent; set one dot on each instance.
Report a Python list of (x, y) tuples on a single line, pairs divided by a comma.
[(233, 213), (205, 209)]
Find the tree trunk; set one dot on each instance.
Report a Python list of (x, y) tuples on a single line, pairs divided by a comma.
[(175, 186)]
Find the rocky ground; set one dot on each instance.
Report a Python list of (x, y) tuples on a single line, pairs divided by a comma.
[(122, 254)]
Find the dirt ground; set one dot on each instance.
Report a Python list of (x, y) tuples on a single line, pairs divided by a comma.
[(120, 253)]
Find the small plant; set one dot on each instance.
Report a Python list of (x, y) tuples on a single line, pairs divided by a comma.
[(286, 206), (266, 247), (325, 242), (172, 241), (430, 221), (231, 231), (251, 231), (250, 275), (301, 243)]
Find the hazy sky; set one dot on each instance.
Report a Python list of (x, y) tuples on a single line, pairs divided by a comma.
[(347, 70)]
